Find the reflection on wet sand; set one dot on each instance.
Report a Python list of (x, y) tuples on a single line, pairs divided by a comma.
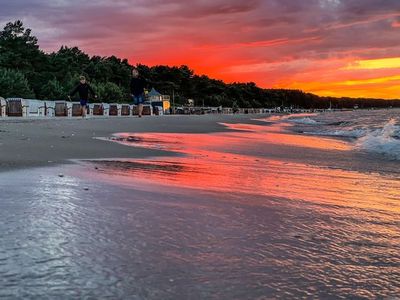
[(247, 132), (213, 162), (222, 220), (298, 229), (259, 177)]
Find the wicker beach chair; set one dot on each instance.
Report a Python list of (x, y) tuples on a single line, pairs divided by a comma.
[(114, 110), (147, 110), (14, 108), (50, 108), (76, 110), (98, 109), (61, 109), (125, 110), (3, 106)]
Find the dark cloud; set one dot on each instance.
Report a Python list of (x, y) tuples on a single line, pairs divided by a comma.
[(215, 34), (219, 21)]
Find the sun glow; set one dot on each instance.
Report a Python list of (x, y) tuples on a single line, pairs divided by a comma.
[(372, 64)]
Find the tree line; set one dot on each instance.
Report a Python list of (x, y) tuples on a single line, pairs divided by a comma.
[(26, 71)]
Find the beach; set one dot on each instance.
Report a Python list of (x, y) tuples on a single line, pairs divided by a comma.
[(201, 207), (42, 142)]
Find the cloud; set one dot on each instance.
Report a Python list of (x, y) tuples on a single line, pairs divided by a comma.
[(373, 64), (221, 37)]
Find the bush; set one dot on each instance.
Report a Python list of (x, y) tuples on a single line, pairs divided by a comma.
[(109, 92)]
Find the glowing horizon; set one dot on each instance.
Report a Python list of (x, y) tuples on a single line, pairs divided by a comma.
[(327, 47)]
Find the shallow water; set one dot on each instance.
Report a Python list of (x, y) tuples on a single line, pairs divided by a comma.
[(255, 213), (376, 131)]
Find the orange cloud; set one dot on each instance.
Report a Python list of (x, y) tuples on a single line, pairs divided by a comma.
[(396, 24), (382, 63)]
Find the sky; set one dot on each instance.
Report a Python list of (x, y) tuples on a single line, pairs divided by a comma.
[(327, 47)]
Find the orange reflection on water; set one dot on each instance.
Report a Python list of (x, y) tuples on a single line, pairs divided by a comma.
[(242, 134), (210, 165), (236, 174), (275, 134)]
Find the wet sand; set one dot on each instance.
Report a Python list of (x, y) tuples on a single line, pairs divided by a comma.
[(44, 142), (246, 211)]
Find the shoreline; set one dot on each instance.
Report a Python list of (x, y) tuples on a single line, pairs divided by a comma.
[(27, 143)]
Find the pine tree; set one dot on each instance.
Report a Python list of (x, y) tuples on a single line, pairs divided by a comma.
[(13, 84)]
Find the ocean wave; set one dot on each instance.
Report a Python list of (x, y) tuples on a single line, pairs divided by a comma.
[(306, 121), (354, 133), (341, 123), (384, 141)]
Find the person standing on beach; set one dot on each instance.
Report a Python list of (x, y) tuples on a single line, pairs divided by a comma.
[(137, 86), (83, 89)]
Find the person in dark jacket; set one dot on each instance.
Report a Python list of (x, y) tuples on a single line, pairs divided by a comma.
[(138, 85), (83, 89)]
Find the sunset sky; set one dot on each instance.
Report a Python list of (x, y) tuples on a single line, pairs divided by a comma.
[(328, 47)]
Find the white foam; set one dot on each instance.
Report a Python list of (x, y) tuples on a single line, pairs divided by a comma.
[(383, 141), (355, 133), (307, 121)]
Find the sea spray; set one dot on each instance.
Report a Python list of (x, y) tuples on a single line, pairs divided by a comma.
[(306, 121), (355, 133), (383, 141)]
